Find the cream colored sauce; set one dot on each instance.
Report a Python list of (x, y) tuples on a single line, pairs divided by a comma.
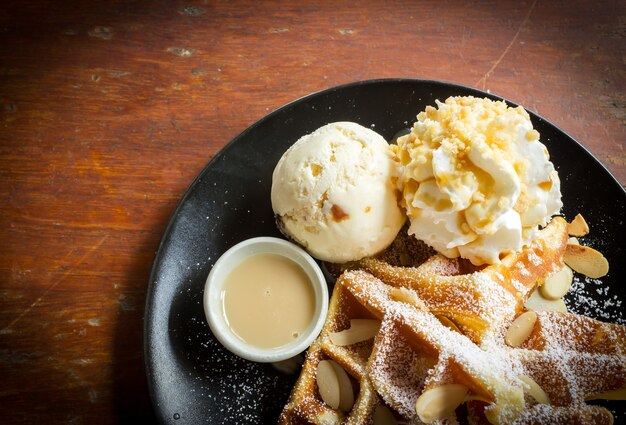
[(268, 300)]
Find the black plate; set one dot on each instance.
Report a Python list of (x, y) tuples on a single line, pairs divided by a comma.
[(192, 379)]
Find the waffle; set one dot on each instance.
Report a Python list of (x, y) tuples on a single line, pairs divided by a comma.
[(410, 337), (414, 352), (480, 302), (542, 414), (574, 358), (305, 404), (443, 322)]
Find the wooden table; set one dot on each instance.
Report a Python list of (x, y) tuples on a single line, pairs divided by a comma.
[(108, 110)]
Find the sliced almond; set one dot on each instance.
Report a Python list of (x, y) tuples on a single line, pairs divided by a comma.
[(383, 416), (538, 303), (534, 390), (408, 296), (359, 330), (573, 241), (346, 394), (328, 383), (586, 260), (448, 323), (557, 285), (578, 226), (440, 402), (520, 329), (609, 395)]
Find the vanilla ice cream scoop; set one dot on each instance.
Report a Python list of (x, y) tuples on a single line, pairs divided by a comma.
[(334, 192), (476, 181)]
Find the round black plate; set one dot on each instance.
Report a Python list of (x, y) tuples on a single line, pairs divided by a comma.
[(191, 378)]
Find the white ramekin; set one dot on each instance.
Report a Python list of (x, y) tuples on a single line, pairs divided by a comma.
[(213, 306)]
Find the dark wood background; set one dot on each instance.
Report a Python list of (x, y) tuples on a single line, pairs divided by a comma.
[(109, 109)]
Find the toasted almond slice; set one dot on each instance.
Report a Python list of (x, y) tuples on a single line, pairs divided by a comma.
[(328, 383), (448, 323), (521, 328), (578, 226), (534, 390), (359, 330), (383, 416), (538, 303), (609, 395), (346, 394), (557, 284), (408, 296), (573, 241), (586, 260), (440, 402)]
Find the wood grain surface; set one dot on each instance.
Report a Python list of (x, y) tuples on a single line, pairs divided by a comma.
[(108, 110)]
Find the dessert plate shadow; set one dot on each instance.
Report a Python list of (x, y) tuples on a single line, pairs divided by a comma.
[(192, 379)]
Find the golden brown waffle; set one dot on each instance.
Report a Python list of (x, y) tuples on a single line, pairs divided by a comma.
[(569, 356), (574, 358), (414, 351), (555, 330), (481, 302), (444, 356), (305, 404), (545, 414), (443, 322)]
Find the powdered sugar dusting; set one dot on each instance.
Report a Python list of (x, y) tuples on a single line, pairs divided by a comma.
[(388, 370), (547, 414), (435, 356), (534, 258), (232, 386), (519, 286), (564, 356), (594, 298)]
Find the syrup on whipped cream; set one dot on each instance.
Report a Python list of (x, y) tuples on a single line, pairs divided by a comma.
[(476, 181)]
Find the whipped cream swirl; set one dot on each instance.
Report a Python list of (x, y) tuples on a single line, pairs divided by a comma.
[(476, 181)]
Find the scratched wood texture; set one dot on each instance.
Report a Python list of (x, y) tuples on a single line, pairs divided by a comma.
[(109, 109)]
